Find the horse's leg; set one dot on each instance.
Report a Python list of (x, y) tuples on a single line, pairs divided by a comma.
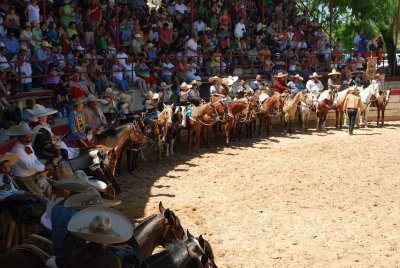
[(167, 149), (198, 134), (190, 133), (227, 132), (337, 118), (383, 115), (317, 127), (366, 117), (260, 124), (378, 114)]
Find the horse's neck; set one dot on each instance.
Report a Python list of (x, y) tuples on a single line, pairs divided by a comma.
[(176, 257), (150, 236), (366, 94)]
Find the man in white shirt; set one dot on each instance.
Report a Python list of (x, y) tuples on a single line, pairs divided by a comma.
[(168, 69), (153, 35), (240, 28), (181, 8), (199, 25), (28, 168), (130, 76), (315, 87), (191, 46), (32, 12), (121, 56)]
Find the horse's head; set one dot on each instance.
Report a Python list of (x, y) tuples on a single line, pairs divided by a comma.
[(136, 134), (201, 249), (173, 229), (166, 114), (387, 95)]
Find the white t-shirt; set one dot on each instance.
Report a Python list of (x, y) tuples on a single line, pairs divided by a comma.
[(26, 73), (199, 26), (33, 13), (240, 29), (193, 46), (181, 8), (121, 58), (130, 72), (117, 72), (167, 66)]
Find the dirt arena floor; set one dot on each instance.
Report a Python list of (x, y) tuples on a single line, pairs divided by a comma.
[(322, 200)]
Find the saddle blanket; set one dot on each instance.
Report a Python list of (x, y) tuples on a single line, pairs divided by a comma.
[(152, 115), (189, 110)]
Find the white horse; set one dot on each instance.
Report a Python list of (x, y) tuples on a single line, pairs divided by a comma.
[(305, 110), (365, 95)]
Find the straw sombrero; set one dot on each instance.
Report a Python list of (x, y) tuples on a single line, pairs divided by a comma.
[(89, 198), (39, 110), (122, 97), (109, 92), (79, 182), (163, 85), (297, 76), (13, 158), (227, 81), (334, 72), (91, 98), (280, 75), (315, 75), (184, 85), (45, 44), (214, 78), (101, 225), (195, 82), (233, 78), (149, 95), (21, 129)]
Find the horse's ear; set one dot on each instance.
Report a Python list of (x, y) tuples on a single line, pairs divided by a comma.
[(161, 208), (169, 215), (201, 242), (164, 105), (189, 235), (172, 105)]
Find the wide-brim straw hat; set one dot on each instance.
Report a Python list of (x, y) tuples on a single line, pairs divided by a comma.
[(27, 24), (109, 92), (297, 76), (19, 130), (233, 78), (215, 78), (334, 72), (149, 95), (79, 183), (101, 225), (164, 85), (89, 198), (280, 75), (39, 110), (122, 97), (195, 82), (45, 44), (227, 81), (11, 157), (315, 75), (92, 97), (184, 85)]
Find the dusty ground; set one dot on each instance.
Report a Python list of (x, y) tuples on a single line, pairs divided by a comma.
[(304, 200)]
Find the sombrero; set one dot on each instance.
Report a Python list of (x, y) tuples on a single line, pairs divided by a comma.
[(39, 110), (233, 78), (184, 85), (89, 198), (78, 95), (334, 72), (101, 225), (149, 95), (122, 97), (92, 97), (195, 82), (79, 182), (109, 92), (280, 75), (297, 76), (315, 75), (45, 44), (19, 130), (13, 158), (163, 85), (215, 78), (227, 81)]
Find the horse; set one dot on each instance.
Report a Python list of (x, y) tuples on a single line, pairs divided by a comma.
[(156, 230), (237, 111), (339, 107), (325, 101), (290, 108), (202, 116), (305, 111), (178, 122), (381, 104), (365, 95)]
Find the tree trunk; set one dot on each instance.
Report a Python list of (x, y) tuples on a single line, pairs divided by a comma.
[(390, 50)]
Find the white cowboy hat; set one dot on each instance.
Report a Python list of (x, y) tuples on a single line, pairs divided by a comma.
[(23, 48), (101, 225), (156, 96), (297, 76), (109, 92), (227, 81), (39, 110), (184, 85), (138, 36), (45, 44), (79, 182), (233, 78), (89, 198), (163, 85), (280, 75), (19, 130), (195, 82), (149, 95), (13, 158), (334, 72), (214, 78), (92, 97), (315, 75), (122, 97), (80, 48)]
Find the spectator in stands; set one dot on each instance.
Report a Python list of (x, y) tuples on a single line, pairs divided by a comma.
[(32, 12), (118, 76), (165, 93), (192, 46), (143, 71), (359, 61), (153, 35), (240, 28), (165, 35), (24, 72), (26, 38), (28, 167), (55, 83), (5, 69), (40, 55), (192, 72), (12, 44), (137, 45), (12, 20)]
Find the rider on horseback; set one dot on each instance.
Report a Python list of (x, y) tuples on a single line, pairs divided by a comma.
[(77, 125), (315, 87)]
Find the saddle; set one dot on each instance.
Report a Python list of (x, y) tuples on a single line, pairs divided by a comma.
[(38, 245)]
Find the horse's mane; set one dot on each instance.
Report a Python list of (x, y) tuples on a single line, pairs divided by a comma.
[(144, 223), (170, 248), (200, 110)]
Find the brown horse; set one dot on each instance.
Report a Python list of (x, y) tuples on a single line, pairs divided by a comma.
[(381, 104), (290, 109), (202, 117), (237, 111), (339, 107), (325, 102), (268, 109)]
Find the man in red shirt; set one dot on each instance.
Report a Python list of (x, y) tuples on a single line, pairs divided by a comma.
[(95, 13), (165, 37), (280, 85)]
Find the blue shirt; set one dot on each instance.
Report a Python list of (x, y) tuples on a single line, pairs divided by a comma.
[(75, 133), (12, 45), (295, 88), (60, 217), (40, 54)]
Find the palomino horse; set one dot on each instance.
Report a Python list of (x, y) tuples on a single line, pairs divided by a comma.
[(290, 108), (325, 101), (237, 111), (156, 230), (365, 95), (305, 111), (202, 116), (380, 105)]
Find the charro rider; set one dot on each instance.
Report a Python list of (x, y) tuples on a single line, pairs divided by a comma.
[(215, 88), (93, 115), (315, 87), (296, 85), (280, 85), (77, 125), (194, 93), (184, 92), (28, 170), (334, 80), (151, 103)]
